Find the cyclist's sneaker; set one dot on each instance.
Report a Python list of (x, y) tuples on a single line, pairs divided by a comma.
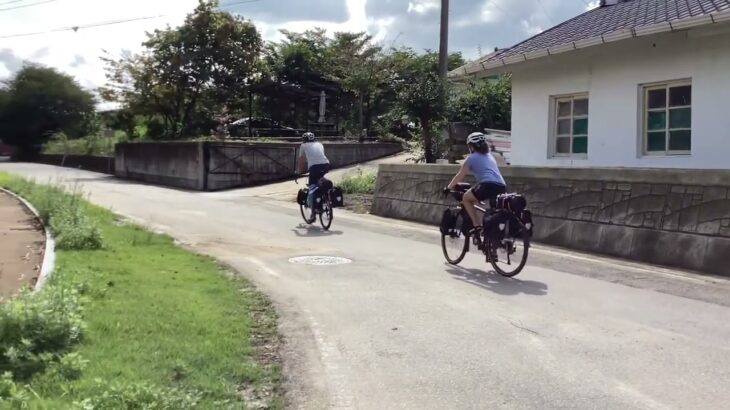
[(476, 233)]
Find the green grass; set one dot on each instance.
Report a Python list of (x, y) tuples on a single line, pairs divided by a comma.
[(362, 183), (161, 322)]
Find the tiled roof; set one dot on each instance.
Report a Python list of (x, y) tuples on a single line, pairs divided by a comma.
[(626, 15)]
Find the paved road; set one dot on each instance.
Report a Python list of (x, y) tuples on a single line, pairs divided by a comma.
[(397, 328)]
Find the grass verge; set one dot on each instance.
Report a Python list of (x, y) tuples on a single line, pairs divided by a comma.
[(359, 189), (144, 324), (359, 183)]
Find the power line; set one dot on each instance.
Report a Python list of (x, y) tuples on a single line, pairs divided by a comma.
[(11, 2), (544, 10), (27, 5), (77, 28), (101, 24), (237, 3)]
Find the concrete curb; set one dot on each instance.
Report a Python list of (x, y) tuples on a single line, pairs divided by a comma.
[(49, 253)]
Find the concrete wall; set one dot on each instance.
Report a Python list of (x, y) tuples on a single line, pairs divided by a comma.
[(208, 166), (104, 165), (613, 76), (678, 218), (176, 164)]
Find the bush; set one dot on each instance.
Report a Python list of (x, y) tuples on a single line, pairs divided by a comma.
[(140, 396), (63, 212), (60, 144), (74, 229), (12, 396), (36, 329), (359, 184)]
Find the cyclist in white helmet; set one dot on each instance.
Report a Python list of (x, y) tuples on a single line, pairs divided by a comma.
[(481, 164), (312, 158)]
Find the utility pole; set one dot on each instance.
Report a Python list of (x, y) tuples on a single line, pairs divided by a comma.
[(444, 47)]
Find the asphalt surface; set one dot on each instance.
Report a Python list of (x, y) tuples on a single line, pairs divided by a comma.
[(397, 328)]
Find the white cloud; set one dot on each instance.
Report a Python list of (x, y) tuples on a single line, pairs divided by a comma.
[(492, 11), (593, 4), (423, 6), (77, 53), (66, 49)]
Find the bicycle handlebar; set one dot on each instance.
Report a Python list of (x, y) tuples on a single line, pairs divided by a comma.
[(297, 176)]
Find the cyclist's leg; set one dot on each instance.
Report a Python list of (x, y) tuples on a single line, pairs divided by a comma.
[(470, 200), (316, 172)]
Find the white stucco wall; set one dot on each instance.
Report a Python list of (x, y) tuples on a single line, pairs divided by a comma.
[(612, 75)]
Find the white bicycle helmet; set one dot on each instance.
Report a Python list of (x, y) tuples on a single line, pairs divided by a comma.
[(309, 137), (476, 138)]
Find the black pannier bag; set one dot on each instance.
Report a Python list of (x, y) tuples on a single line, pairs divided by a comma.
[(526, 218), (448, 222), (337, 197), (512, 202), (492, 220), (302, 196)]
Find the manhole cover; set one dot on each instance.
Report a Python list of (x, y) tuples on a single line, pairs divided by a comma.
[(320, 260)]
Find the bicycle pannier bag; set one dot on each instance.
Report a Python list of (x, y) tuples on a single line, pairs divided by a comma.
[(337, 197), (526, 219), (302, 196), (448, 222), (512, 202)]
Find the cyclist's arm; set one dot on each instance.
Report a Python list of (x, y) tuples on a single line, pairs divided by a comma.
[(463, 173), (301, 162)]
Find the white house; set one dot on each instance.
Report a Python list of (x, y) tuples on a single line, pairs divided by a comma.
[(631, 83)]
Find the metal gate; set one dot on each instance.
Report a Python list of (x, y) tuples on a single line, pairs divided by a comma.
[(247, 164)]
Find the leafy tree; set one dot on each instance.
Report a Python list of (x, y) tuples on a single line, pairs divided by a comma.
[(421, 95), (484, 104), (39, 102), (356, 63), (187, 73), (300, 57)]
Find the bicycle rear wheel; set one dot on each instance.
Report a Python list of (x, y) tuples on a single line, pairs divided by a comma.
[(327, 215), (455, 245), (511, 252)]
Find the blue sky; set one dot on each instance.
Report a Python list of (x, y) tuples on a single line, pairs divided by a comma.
[(476, 25)]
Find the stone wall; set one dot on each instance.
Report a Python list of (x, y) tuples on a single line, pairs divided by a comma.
[(208, 166), (678, 218)]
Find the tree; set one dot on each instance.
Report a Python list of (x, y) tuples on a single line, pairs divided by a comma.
[(484, 104), (422, 94), (300, 57), (425, 100), (40, 102), (356, 65), (187, 74)]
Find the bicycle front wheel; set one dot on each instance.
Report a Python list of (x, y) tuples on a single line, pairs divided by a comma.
[(306, 214), (455, 245), (327, 215), (509, 256)]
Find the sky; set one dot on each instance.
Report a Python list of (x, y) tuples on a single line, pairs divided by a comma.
[(477, 26)]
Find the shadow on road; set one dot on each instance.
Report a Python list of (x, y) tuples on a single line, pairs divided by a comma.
[(496, 283), (311, 231)]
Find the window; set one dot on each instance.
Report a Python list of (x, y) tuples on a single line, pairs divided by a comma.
[(570, 130), (668, 119)]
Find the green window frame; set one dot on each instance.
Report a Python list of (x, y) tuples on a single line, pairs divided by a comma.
[(570, 126), (667, 119)]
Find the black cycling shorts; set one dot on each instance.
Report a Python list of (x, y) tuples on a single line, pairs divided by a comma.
[(488, 191)]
